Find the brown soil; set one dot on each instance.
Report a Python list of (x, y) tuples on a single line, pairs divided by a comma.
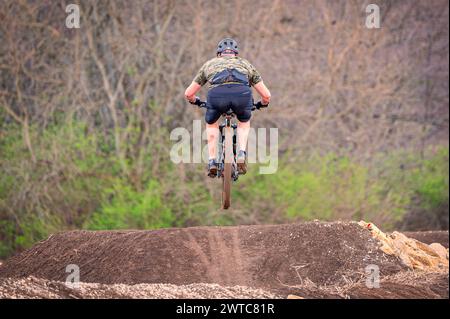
[(429, 237), (312, 260)]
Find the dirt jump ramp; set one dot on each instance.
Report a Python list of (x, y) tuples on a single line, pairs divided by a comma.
[(264, 256)]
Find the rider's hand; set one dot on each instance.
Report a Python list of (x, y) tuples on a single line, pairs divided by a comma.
[(196, 101), (259, 105)]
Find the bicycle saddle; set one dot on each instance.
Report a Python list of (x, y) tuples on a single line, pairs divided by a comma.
[(229, 112)]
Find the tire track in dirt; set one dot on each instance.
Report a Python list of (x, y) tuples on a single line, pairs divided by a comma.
[(221, 257)]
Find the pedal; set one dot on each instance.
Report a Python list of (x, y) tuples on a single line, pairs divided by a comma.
[(242, 167), (212, 172)]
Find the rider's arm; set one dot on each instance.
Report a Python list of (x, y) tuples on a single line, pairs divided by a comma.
[(257, 82), (191, 91), (263, 91), (196, 85)]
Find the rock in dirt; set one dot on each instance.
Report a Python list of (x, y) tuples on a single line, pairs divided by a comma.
[(413, 253), (440, 250), (294, 297)]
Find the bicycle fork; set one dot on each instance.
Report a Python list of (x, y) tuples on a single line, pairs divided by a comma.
[(227, 123)]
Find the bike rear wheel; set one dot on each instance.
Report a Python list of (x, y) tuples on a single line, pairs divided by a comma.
[(227, 170)]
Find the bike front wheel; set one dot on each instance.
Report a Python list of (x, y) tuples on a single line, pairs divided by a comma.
[(226, 176)]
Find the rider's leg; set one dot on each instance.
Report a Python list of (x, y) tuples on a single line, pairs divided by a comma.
[(214, 109), (243, 130), (242, 105), (212, 132)]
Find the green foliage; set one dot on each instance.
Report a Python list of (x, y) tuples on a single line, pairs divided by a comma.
[(322, 187), (7, 236), (124, 207), (332, 187), (78, 180), (57, 190), (431, 180)]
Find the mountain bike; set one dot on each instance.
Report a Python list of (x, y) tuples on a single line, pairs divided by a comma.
[(227, 166)]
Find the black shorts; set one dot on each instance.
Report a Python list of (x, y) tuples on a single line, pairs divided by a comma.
[(237, 97)]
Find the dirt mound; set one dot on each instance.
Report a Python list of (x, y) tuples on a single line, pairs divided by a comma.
[(307, 260), (264, 256)]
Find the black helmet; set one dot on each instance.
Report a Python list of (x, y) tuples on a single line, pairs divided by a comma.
[(227, 44)]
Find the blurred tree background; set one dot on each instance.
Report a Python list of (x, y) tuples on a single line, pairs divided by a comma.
[(86, 114)]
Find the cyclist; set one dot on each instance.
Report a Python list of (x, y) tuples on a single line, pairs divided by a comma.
[(230, 78)]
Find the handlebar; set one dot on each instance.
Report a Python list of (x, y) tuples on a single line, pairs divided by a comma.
[(256, 106)]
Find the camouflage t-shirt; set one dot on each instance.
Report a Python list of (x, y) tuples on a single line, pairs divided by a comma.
[(219, 64)]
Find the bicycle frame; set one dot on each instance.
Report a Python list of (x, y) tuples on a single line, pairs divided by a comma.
[(227, 166), (227, 123)]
